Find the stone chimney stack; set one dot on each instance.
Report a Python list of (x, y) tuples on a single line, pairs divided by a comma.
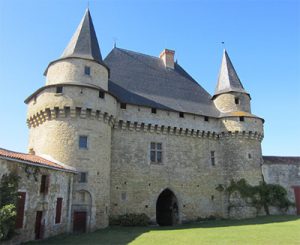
[(167, 56)]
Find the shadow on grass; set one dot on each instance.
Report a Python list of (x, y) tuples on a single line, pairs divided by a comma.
[(124, 235)]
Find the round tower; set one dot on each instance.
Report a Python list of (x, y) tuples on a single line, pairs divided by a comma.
[(70, 120), (242, 132)]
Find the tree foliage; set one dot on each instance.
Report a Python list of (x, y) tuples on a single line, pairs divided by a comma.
[(8, 200), (261, 196)]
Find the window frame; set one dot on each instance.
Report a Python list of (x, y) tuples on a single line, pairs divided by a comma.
[(45, 183), (82, 179), (58, 210), (156, 152), (59, 89)]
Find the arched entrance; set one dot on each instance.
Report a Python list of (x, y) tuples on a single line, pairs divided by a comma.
[(167, 208)]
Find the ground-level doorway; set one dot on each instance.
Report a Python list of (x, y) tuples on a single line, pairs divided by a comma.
[(79, 222), (297, 198), (39, 225), (167, 208)]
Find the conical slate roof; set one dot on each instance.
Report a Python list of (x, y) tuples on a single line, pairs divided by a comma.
[(84, 43), (228, 80)]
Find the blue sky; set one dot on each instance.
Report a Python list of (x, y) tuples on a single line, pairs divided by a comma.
[(261, 37)]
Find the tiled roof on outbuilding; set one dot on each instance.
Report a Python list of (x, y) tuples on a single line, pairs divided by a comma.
[(33, 160), (144, 80), (281, 160)]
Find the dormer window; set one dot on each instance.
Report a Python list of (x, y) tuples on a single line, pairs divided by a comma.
[(87, 70), (236, 100)]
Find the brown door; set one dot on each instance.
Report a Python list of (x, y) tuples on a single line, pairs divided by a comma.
[(79, 222), (38, 225), (297, 198)]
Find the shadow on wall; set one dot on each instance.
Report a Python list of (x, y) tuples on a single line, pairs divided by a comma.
[(125, 235)]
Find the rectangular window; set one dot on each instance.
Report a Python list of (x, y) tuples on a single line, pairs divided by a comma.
[(123, 105), (156, 152), (59, 90), (242, 119), (206, 119), (236, 100), (58, 210), (87, 70), (153, 110), (88, 112), (212, 158), (45, 180), (83, 142), (181, 114), (82, 177), (101, 94), (20, 209)]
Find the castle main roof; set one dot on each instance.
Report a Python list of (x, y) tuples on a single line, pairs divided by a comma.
[(228, 80), (144, 80)]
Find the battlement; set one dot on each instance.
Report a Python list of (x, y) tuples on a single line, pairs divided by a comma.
[(69, 112)]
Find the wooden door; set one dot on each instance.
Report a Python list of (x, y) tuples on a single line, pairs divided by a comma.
[(297, 198), (79, 222), (38, 225)]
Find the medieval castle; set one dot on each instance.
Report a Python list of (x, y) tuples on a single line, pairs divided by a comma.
[(133, 133)]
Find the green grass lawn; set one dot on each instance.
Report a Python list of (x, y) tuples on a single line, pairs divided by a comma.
[(283, 230)]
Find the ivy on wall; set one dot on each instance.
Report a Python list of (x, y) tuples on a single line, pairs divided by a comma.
[(260, 196)]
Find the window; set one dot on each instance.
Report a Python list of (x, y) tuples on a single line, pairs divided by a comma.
[(236, 100), (101, 94), (20, 209), (82, 178), (87, 70), (181, 114), (212, 158), (123, 105), (249, 156), (156, 152), (153, 110), (206, 119), (58, 210), (83, 142), (59, 90), (44, 184), (78, 111), (242, 119)]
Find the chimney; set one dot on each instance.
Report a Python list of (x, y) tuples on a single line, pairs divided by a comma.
[(31, 151), (167, 56)]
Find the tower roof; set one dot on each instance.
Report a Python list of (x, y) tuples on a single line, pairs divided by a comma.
[(228, 80), (84, 43)]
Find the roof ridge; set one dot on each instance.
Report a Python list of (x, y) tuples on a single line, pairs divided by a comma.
[(148, 55)]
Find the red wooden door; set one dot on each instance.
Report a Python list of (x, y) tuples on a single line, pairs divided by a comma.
[(297, 198), (38, 225), (79, 222)]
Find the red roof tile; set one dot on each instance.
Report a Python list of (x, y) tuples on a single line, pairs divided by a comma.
[(31, 159)]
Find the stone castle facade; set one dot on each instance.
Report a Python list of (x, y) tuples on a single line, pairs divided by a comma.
[(143, 135)]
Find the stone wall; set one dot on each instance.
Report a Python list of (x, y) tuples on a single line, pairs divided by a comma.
[(226, 102), (284, 171), (60, 186)]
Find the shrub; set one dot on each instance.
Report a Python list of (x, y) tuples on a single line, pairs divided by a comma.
[(131, 220), (7, 221)]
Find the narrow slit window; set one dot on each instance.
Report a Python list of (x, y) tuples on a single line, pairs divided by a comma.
[(212, 158)]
